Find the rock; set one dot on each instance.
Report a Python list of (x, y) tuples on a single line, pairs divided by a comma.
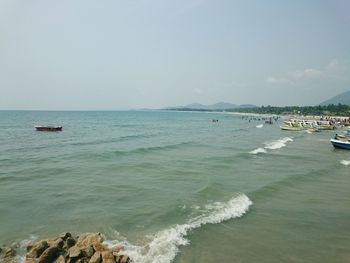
[(107, 257), (89, 239), (117, 249), (65, 235), (9, 254), (59, 243), (49, 255), (99, 247), (125, 259), (60, 259), (87, 248), (70, 242), (74, 252), (96, 258), (89, 251), (35, 250)]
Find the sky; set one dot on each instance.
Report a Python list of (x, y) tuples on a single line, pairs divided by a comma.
[(110, 55)]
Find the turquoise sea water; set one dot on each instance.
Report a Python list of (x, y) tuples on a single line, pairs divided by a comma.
[(176, 187)]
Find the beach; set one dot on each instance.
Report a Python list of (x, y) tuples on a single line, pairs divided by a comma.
[(175, 186)]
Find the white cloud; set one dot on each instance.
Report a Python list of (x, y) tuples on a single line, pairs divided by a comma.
[(276, 81), (306, 73), (333, 70)]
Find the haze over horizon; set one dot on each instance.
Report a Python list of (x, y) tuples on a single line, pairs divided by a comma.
[(91, 55)]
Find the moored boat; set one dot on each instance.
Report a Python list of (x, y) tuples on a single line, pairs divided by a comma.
[(291, 128), (341, 144), (48, 128)]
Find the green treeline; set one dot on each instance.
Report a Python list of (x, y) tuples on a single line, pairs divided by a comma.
[(332, 110)]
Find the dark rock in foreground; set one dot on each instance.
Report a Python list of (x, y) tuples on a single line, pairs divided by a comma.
[(86, 248)]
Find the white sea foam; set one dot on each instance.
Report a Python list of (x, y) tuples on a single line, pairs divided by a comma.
[(260, 126), (272, 145), (278, 144), (345, 162), (258, 150), (21, 251), (163, 246)]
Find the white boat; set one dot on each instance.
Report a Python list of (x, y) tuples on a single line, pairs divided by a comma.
[(341, 144)]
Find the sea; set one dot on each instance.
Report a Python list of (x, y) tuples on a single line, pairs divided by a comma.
[(175, 186)]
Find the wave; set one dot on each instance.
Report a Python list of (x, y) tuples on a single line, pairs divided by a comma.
[(274, 145), (278, 144), (258, 150), (21, 249), (345, 162), (164, 246), (259, 126)]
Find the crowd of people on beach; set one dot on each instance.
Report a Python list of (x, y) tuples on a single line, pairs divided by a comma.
[(336, 120), (268, 120), (343, 121)]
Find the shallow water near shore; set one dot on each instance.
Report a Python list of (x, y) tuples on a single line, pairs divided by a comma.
[(175, 186)]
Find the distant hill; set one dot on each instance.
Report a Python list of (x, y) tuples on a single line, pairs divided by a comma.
[(216, 106), (343, 98)]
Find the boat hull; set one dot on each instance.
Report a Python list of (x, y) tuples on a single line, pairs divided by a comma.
[(340, 144), (48, 128), (289, 128)]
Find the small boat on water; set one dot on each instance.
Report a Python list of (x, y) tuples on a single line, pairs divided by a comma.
[(341, 141), (341, 144), (48, 128), (291, 128)]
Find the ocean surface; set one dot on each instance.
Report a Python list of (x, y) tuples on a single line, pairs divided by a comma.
[(175, 186)]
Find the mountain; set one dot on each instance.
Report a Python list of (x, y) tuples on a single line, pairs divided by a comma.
[(343, 98), (216, 106)]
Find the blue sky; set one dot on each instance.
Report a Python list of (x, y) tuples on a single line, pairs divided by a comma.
[(91, 55)]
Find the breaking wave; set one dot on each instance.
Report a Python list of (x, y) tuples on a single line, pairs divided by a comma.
[(259, 126), (21, 249), (164, 246), (258, 150), (278, 144), (345, 162), (273, 145)]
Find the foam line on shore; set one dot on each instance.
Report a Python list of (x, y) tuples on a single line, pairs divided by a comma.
[(164, 245)]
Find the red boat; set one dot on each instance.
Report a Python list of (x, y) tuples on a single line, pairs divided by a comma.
[(48, 128)]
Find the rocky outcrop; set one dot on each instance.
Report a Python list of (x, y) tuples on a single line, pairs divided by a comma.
[(86, 248)]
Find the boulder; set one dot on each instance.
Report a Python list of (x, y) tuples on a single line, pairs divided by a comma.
[(96, 258), (49, 255), (9, 254), (89, 251), (100, 247), (60, 259), (59, 243), (107, 257), (70, 242), (74, 252), (35, 250), (89, 239), (124, 259), (65, 235), (117, 249)]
